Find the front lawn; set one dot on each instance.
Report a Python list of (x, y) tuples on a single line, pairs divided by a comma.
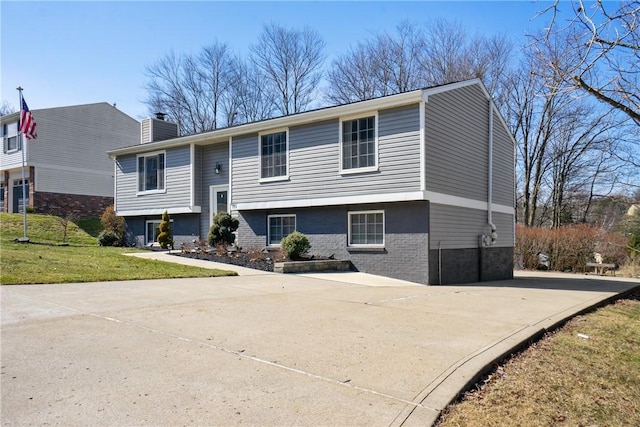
[(44, 260)]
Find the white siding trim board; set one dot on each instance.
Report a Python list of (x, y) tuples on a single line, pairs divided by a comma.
[(160, 211), (192, 174), (423, 146), (439, 198)]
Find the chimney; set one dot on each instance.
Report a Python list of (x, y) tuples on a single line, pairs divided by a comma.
[(157, 129)]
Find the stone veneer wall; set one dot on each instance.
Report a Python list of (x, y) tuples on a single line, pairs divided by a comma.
[(70, 204)]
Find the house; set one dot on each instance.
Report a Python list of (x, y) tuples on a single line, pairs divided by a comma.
[(418, 186), (66, 168)]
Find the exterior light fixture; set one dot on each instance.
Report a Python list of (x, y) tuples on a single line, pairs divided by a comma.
[(218, 168)]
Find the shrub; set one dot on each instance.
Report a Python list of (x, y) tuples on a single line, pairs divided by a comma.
[(114, 224), (108, 238), (222, 229), (165, 238), (295, 245), (569, 248)]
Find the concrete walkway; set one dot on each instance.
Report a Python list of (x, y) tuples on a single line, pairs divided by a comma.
[(266, 349)]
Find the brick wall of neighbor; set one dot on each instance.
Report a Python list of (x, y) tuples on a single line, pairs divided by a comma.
[(405, 255), (70, 204)]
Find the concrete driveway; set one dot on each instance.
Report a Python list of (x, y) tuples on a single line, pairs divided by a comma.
[(265, 349)]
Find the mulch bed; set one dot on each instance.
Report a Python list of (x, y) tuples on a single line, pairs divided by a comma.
[(240, 259)]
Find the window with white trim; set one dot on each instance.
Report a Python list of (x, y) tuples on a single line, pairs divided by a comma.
[(279, 227), (152, 229), (366, 228), (274, 150), (151, 232), (151, 172), (10, 136), (358, 139)]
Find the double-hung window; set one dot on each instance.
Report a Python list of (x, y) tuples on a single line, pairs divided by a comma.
[(366, 229), (10, 137), (151, 172), (279, 227), (274, 149), (359, 144)]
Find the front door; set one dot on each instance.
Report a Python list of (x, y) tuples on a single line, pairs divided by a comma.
[(218, 200), (18, 202)]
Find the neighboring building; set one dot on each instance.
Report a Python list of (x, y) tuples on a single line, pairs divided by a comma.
[(399, 185), (66, 167)]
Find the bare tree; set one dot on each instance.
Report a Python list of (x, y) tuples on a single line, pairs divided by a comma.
[(605, 39), (249, 100), (566, 145), (215, 71), (192, 88), (384, 65), (350, 78), (291, 62), (6, 108), (413, 58)]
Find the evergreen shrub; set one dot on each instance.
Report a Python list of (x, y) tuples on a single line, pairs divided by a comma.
[(295, 245)]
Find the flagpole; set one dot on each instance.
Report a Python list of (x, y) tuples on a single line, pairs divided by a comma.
[(24, 239)]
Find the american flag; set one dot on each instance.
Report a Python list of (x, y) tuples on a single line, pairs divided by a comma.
[(27, 122)]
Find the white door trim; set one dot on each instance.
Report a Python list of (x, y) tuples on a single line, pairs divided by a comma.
[(213, 197)]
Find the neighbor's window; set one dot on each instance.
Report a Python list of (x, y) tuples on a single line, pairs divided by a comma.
[(10, 136), (359, 143), (151, 172), (366, 228), (280, 226), (273, 155)]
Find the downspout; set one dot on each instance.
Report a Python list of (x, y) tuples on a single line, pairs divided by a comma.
[(490, 240), (440, 263)]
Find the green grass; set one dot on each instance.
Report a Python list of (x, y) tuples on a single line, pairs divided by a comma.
[(591, 379), (45, 260), (91, 226)]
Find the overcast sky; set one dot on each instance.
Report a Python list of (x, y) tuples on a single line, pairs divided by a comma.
[(75, 52)]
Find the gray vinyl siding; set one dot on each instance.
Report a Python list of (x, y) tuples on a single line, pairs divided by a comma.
[(458, 228), (503, 165), (212, 154), (455, 227), (505, 225), (457, 133), (79, 136), (177, 183), (12, 159), (85, 182), (315, 156)]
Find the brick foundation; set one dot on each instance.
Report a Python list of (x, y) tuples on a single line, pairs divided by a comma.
[(70, 204)]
